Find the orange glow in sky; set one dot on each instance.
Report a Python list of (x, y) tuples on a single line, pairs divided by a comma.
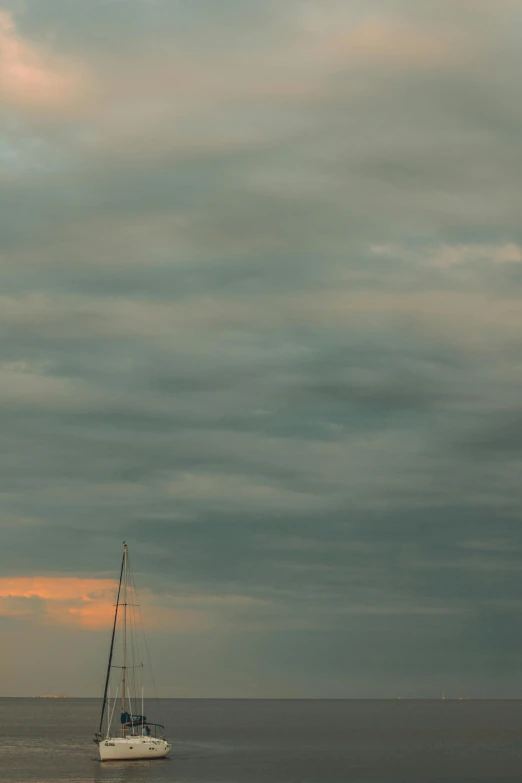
[(64, 600)]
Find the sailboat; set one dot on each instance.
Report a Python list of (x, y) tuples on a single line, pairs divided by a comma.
[(137, 738)]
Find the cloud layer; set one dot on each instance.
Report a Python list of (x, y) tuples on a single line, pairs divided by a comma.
[(260, 277)]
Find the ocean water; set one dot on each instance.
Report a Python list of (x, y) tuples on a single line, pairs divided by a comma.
[(250, 741)]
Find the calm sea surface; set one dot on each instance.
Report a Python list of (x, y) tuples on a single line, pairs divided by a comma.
[(249, 741)]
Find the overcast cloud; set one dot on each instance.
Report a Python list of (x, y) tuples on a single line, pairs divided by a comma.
[(261, 316)]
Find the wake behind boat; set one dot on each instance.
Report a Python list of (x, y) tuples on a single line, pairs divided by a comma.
[(137, 737)]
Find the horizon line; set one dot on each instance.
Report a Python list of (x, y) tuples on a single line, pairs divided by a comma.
[(280, 698)]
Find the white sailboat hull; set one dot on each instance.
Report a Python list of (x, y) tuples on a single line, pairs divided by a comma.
[(128, 748)]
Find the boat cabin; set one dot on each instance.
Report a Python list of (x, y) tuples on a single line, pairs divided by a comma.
[(138, 725)]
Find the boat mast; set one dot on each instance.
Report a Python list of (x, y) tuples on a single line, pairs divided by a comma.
[(124, 667), (104, 704)]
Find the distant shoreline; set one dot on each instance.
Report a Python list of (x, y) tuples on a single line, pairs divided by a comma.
[(283, 698)]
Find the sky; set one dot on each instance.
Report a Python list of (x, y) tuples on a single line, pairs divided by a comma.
[(261, 317)]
